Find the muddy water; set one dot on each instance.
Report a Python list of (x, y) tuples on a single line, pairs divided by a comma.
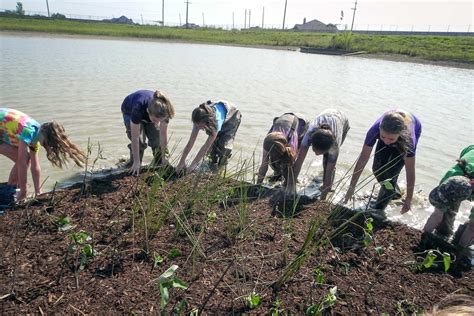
[(81, 82)]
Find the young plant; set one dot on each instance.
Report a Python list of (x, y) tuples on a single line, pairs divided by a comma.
[(277, 308), (328, 301), (157, 259), (429, 260), (79, 245), (252, 300), (167, 281), (63, 223), (368, 232), (318, 276)]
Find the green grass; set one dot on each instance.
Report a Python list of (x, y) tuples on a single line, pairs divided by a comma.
[(445, 48)]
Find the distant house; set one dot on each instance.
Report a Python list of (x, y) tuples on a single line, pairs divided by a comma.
[(315, 26), (120, 20)]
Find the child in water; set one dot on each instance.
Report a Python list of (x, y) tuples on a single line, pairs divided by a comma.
[(142, 112), (396, 134), (220, 120), (280, 148), (325, 136), (20, 140)]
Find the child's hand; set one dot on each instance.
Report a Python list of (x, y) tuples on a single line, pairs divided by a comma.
[(135, 169)]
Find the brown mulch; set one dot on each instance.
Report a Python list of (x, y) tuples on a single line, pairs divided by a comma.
[(224, 254)]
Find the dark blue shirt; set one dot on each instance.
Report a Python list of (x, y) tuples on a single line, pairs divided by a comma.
[(135, 105)]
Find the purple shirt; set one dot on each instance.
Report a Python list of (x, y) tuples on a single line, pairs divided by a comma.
[(412, 123), (135, 105)]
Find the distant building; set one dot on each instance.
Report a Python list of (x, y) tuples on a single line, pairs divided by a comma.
[(315, 26), (120, 20)]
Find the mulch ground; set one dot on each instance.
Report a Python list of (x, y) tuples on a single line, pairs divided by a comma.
[(224, 253)]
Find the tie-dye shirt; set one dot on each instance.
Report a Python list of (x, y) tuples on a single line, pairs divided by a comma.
[(16, 126)]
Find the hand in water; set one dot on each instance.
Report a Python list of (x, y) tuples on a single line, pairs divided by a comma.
[(406, 206), (349, 194), (135, 169)]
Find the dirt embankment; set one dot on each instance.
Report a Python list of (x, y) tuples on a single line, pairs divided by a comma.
[(102, 248)]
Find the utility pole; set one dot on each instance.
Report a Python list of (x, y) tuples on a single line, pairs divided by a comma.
[(245, 21), (163, 12), (233, 20), (203, 23), (250, 13), (187, 7), (180, 19), (284, 16), (142, 18), (263, 17), (354, 14), (47, 7)]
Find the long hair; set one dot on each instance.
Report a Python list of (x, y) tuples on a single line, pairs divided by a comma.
[(279, 150), (160, 106), (59, 148), (322, 139), (206, 115), (394, 123)]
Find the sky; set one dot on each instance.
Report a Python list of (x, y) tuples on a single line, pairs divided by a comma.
[(385, 14)]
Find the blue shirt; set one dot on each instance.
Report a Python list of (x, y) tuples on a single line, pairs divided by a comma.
[(135, 105), (221, 112)]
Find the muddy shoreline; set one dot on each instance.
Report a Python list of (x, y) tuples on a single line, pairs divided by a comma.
[(225, 252)]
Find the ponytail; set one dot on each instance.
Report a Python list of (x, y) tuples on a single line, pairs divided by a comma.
[(59, 149), (206, 115), (279, 149), (160, 106)]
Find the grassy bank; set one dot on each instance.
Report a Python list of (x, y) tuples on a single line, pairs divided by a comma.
[(436, 48)]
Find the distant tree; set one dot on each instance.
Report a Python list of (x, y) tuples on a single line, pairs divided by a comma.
[(19, 8)]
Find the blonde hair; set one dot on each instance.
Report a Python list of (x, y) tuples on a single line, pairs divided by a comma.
[(160, 106), (58, 146), (279, 149), (454, 304)]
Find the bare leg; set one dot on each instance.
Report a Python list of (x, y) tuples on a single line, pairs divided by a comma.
[(433, 221), (11, 153), (467, 237)]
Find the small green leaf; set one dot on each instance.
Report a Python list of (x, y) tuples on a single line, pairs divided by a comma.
[(429, 259), (87, 250), (318, 276), (313, 310), (211, 217), (178, 283), (446, 261), (157, 259), (253, 300), (164, 297), (369, 224), (174, 253), (388, 185), (169, 272), (379, 250), (367, 239)]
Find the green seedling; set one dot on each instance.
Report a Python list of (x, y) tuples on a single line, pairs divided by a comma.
[(64, 223), (211, 217), (252, 300), (318, 276), (167, 281), (79, 245), (429, 260), (368, 231), (379, 250), (174, 253), (328, 301), (277, 308), (157, 259), (181, 307)]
